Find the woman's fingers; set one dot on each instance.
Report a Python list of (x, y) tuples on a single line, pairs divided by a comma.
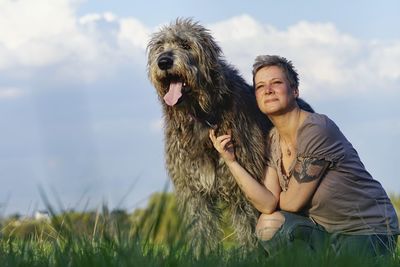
[(223, 137), (224, 145), (222, 142)]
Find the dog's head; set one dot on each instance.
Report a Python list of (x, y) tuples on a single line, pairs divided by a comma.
[(183, 64)]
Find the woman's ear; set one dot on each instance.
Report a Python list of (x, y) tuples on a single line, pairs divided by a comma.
[(296, 93)]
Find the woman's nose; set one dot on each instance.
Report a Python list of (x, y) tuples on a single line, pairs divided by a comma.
[(268, 90)]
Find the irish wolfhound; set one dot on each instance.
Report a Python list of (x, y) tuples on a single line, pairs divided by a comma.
[(199, 90)]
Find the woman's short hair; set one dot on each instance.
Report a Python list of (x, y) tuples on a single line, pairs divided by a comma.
[(285, 65)]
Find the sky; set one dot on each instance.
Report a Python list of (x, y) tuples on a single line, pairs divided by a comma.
[(81, 123)]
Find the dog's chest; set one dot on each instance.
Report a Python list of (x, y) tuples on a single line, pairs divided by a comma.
[(192, 158)]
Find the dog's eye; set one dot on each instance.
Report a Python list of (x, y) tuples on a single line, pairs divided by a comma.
[(185, 45)]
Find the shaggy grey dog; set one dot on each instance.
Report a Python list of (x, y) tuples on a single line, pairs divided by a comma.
[(199, 90)]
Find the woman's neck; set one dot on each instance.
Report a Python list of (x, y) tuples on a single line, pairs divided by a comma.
[(287, 124)]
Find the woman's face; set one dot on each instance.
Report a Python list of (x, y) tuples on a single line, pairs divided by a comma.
[(273, 93)]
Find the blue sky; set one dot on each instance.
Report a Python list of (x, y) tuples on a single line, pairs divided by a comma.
[(80, 119)]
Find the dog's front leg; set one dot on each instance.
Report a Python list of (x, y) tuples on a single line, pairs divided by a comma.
[(244, 217), (203, 217)]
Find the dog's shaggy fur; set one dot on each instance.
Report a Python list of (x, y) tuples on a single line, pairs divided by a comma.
[(199, 90)]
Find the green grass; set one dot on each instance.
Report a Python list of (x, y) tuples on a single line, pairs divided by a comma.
[(154, 236), (79, 251)]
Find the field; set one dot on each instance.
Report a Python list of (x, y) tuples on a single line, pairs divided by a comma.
[(154, 236)]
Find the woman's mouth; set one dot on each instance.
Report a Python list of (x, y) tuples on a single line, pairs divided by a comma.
[(267, 101)]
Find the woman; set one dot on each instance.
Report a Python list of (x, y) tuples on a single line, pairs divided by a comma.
[(316, 189)]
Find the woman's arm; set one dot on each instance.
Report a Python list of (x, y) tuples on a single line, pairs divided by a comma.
[(303, 183), (264, 197), (261, 197)]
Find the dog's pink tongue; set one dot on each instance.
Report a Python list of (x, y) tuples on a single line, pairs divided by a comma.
[(174, 93)]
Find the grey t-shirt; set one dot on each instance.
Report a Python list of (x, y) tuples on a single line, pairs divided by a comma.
[(348, 199)]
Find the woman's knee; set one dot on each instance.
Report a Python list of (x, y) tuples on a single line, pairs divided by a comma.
[(268, 225)]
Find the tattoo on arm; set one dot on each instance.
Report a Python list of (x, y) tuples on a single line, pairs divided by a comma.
[(309, 169)]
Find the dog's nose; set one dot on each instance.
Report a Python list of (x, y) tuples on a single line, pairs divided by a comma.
[(165, 62)]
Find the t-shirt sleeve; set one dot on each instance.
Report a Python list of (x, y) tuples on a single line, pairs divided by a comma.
[(320, 139)]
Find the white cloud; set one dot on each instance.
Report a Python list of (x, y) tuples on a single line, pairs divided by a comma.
[(24, 20), (49, 34), (11, 92), (385, 60), (237, 28), (312, 47), (327, 60), (134, 33), (95, 17), (30, 31)]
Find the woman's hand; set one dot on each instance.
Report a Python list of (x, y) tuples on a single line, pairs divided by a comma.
[(224, 146)]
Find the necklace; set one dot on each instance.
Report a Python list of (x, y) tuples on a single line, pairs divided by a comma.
[(288, 151)]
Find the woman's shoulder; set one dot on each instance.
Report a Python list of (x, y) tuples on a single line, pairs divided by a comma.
[(317, 118), (318, 135), (317, 123)]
